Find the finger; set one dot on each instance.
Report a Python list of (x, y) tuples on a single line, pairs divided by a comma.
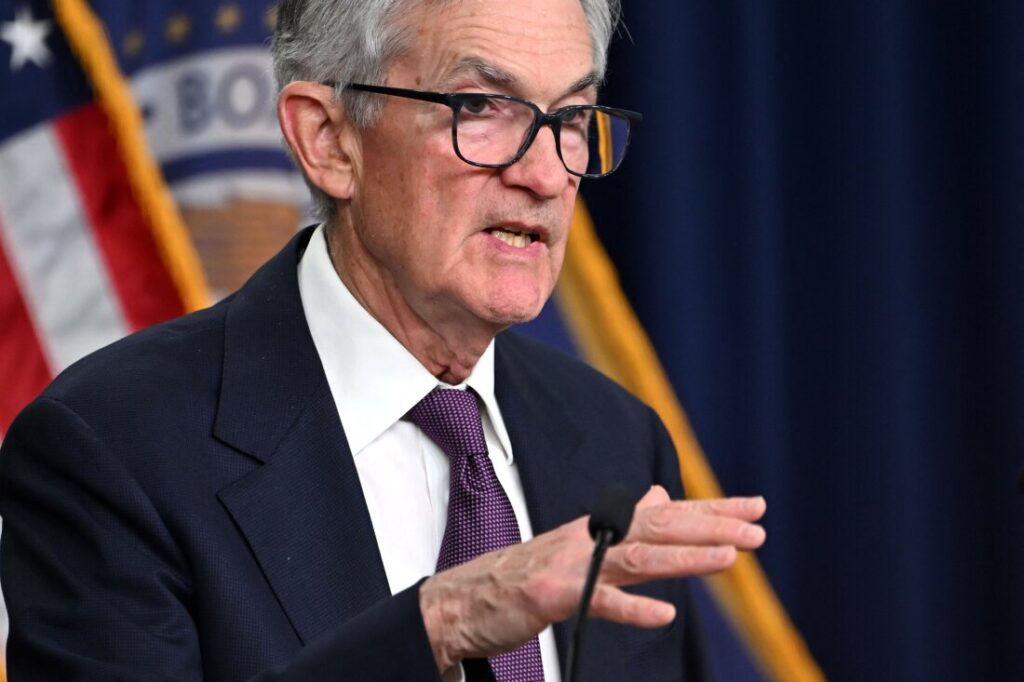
[(671, 524), (745, 508), (611, 603), (637, 562)]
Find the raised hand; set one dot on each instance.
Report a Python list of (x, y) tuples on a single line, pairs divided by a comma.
[(501, 599)]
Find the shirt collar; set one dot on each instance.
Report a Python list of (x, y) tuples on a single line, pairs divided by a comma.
[(375, 381), (481, 380)]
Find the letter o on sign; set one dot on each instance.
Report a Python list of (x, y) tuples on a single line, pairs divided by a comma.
[(242, 96)]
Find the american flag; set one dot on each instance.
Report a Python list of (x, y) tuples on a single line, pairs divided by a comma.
[(79, 263), (79, 266), (84, 256)]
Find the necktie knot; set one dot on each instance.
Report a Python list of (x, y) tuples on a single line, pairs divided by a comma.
[(451, 418)]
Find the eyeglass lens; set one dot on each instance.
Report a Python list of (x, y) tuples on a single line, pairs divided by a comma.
[(491, 131)]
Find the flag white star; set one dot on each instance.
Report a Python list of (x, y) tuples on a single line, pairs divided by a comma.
[(27, 39)]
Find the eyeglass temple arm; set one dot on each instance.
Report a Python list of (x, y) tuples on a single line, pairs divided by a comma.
[(439, 98)]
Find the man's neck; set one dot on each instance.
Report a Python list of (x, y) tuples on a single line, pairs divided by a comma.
[(448, 348)]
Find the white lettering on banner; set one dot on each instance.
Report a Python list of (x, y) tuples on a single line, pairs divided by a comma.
[(210, 102)]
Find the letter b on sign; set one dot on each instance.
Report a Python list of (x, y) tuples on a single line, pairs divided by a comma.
[(237, 97)]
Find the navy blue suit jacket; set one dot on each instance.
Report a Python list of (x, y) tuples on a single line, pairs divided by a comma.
[(183, 505)]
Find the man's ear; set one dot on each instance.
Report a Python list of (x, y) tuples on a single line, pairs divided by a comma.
[(320, 135)]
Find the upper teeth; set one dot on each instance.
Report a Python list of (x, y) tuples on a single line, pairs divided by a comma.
[(512, 238)]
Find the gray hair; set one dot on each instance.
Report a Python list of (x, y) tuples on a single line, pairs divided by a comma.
[(352, 41)]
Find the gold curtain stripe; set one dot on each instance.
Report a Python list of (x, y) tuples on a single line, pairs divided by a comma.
[(610, 336), (89, 41), (604, 137)]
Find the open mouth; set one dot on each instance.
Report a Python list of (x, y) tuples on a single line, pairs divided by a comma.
[(513, 236)]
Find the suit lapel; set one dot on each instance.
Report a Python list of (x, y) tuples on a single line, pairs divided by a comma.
[(544, 439), (302, 509), (546, 443), (561, 469), (562, 472)]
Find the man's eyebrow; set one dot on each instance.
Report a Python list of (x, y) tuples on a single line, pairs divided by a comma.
[(493, 75), (498, 77), (591, 80)]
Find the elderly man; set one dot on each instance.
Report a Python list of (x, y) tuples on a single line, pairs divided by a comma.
[(346, 470)]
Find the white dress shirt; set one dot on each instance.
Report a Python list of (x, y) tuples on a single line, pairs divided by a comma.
[(404, 475)]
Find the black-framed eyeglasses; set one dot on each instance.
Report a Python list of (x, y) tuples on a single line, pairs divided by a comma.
[(494, 131)]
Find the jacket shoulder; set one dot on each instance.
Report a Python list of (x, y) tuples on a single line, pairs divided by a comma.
[(146, 373)]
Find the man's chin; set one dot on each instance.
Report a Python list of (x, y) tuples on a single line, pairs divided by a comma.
[(500, 303), (509, 313)]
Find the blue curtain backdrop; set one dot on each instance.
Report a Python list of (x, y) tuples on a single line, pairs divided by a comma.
[(821, 225)]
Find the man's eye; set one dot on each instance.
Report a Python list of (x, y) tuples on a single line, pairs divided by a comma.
[(576, 117), (476, 105)]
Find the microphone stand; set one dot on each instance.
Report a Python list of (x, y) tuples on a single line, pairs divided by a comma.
[(608, 525), (604, 539)]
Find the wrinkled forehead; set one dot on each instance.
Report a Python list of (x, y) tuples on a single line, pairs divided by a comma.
[(514, 44)]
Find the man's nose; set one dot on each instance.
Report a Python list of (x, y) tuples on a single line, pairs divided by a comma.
[(540, 170)]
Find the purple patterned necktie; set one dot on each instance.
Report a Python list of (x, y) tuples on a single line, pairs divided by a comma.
[(480, 517)]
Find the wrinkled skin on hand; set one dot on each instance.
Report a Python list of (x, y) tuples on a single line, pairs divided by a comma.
[(501, 599)]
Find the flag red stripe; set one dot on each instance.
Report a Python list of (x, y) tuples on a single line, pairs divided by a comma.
[(143, 285), (22, 364)]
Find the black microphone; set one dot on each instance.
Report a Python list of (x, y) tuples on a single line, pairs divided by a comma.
[(609, 523)]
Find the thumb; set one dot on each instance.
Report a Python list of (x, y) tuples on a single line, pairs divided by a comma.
[(655, 496)]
